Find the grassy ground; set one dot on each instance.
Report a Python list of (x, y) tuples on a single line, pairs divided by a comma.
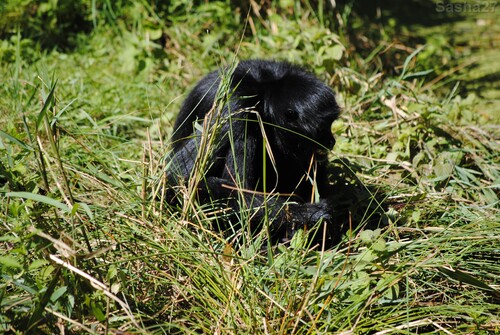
[(87, 101)]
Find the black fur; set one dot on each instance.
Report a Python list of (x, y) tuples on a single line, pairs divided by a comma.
[(296, 111)]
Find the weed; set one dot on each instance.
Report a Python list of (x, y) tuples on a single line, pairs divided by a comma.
[(89, 246)]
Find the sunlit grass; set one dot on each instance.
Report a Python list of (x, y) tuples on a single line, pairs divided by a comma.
[(89, 244)]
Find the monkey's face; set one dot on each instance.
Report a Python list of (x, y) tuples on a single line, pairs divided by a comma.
[(301, 116)]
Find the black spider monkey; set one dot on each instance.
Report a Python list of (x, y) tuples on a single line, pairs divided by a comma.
[(270, 148)]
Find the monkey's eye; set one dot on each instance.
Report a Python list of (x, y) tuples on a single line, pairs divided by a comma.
[(291, 115)]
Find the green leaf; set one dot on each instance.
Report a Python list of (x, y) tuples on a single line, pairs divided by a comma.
[(418, 74), (9, 238), (98, 311), (48, 102), (39, 198), (379, 245), (391, 293), (366, 235), (468, 279), (87, 210), (154, 34), (489, 196), (37, 263), (58, 293), (443, 171), (364, 258), (54, 120), (15, 140), (408, 59), (9, 261), (334, 52), (298, 239)]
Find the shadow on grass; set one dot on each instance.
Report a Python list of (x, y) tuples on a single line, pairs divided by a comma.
[(356, 206), (411, 12)]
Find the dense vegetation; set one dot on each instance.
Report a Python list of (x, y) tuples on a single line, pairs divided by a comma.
[(89, 93)]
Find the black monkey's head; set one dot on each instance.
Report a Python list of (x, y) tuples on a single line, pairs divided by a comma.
[(297, 108)]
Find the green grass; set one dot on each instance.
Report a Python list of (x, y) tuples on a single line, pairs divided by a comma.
[(88, 246)]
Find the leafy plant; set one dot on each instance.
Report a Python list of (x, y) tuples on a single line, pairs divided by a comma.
[(88, 245)]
